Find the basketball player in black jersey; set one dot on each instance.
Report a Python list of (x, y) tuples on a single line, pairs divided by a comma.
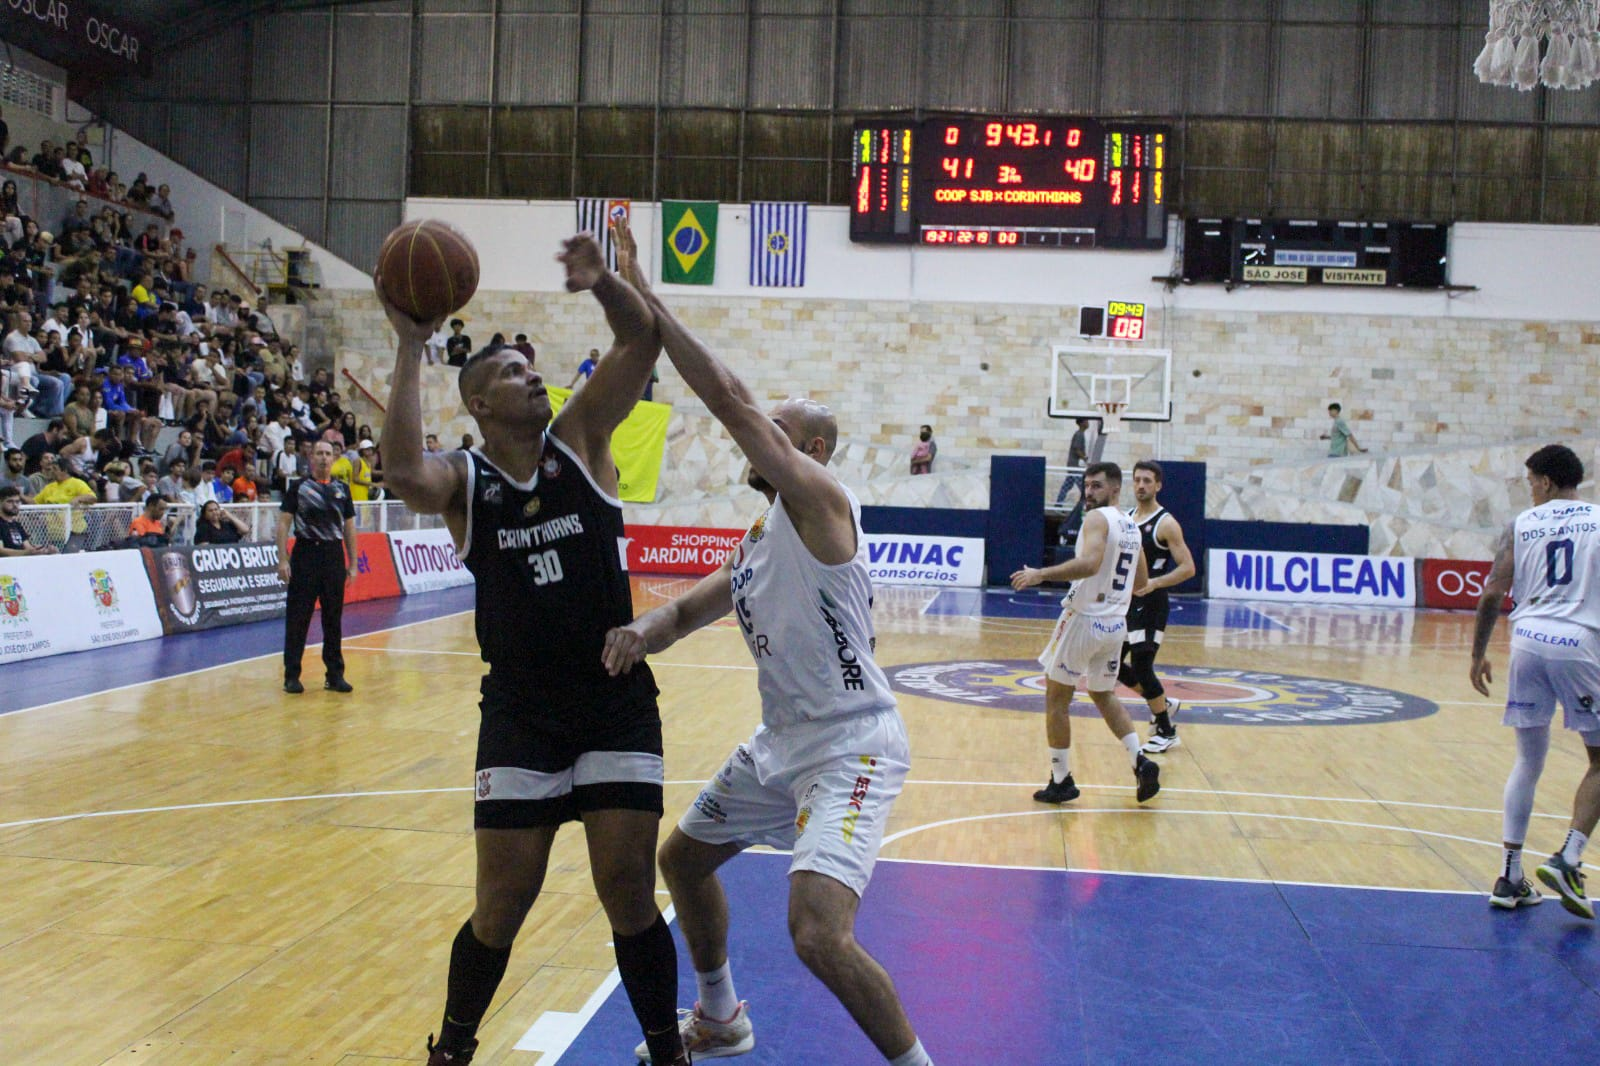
[(535, 518), (1171, 564)]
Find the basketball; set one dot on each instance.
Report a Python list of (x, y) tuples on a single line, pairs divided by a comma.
[(428, 269)]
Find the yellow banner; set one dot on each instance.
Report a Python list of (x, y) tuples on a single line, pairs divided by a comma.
[(637, 446)]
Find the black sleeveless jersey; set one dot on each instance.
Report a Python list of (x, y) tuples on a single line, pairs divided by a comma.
[(1157, 559), (548, 559)]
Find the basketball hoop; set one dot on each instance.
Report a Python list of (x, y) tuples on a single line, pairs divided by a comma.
[(1110, 415)]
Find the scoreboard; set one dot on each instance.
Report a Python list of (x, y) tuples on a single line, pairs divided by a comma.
[(1008, 183)]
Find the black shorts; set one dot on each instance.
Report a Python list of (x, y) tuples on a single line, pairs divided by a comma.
[(544, 762), (1147, 618)]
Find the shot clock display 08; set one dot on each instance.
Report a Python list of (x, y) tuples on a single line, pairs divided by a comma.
[(1009, 183)]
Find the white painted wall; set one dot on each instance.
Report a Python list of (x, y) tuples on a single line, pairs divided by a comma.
[(208, 216), (1522, 271)]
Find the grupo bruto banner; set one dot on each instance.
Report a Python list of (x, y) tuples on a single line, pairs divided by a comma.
[(425, 559), (50, 604), (1304, 577), (911, 559), (1455, 583), (677, 549), (209, 585)]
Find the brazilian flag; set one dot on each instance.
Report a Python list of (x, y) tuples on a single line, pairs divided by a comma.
[(688, 242)]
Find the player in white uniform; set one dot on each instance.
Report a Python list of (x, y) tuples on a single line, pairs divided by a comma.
[(1549, 560), (1107, 567), (823, 769)]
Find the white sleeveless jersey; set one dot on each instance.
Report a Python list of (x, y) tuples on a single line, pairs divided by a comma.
[(808, 625), (1556, 582), (1107, 592)]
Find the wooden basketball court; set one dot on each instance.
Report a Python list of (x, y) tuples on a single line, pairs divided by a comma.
[(200, 870)]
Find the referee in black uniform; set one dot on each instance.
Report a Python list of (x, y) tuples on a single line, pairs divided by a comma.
[(323, 517)]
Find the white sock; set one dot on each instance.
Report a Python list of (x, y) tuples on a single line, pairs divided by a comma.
[(1572, 850), (1514, 865), (718, 1001), (1060, 764), (916, 1056), (1131, 742)]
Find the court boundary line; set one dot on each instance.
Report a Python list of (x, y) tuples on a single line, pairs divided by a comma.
[(695, 782), (216, 666)]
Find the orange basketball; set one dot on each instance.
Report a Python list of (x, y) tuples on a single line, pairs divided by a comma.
[(428, 269)]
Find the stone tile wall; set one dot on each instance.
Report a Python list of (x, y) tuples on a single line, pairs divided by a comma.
[(1249, 388)]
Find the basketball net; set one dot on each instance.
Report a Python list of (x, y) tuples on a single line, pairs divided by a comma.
[(1110, 415), (1518, 29)]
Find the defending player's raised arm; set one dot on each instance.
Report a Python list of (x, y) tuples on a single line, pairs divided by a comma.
[(808, 490), (1085, 564), (1495, 590), (429, 484), (657, 630), (588, 419)]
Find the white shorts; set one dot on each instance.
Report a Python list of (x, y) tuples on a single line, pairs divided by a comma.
[(1536, 684), (1085, 647), (823, 790)]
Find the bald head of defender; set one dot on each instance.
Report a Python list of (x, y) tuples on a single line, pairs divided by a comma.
[(810, 427)]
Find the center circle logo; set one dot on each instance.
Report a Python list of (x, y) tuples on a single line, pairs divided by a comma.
[(1210, 694)]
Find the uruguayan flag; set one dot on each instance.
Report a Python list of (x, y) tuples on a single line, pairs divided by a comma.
[(778, 244)]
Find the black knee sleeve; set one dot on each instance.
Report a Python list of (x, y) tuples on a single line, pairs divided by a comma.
[(1142, 665)]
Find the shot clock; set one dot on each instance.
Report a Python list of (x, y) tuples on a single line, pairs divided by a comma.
[(1010, 183)]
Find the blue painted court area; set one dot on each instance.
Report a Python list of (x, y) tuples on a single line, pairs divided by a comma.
[(61, 677), (1045, 604), (1043, 968)]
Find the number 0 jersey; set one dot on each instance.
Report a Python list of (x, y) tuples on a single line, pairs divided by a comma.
[(1555, 584), (808, 625), (551, 578), (1107, 592)]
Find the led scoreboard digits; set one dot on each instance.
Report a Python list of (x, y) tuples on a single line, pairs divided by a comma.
[(1010, 183)]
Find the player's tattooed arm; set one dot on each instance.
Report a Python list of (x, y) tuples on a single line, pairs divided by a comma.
[(1495, 590)]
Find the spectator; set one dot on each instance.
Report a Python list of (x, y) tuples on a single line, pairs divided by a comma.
[(27, 356), (924, 451), (184, 449), (13, 537), (244, 486), (522, 345), (80, 414), (217, 526), (152, 527), (162, 203), (1340, 439), (170, 487), (10, 404), (357, 474), (72, 171), (430, 444), (467, 442), (208, 429), (121, 416), (14, 476), (70, 489), (51, 439), (222, 485), (293, 462), (458, 346), (5, 136), (585, 368)]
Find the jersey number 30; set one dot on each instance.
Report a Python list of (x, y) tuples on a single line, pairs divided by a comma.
[(546, 567)]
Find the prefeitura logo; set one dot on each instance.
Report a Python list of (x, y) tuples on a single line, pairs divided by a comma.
[(13, 604), (1210, 694)]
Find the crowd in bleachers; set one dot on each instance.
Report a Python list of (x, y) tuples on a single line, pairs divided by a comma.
[(109, 337)]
